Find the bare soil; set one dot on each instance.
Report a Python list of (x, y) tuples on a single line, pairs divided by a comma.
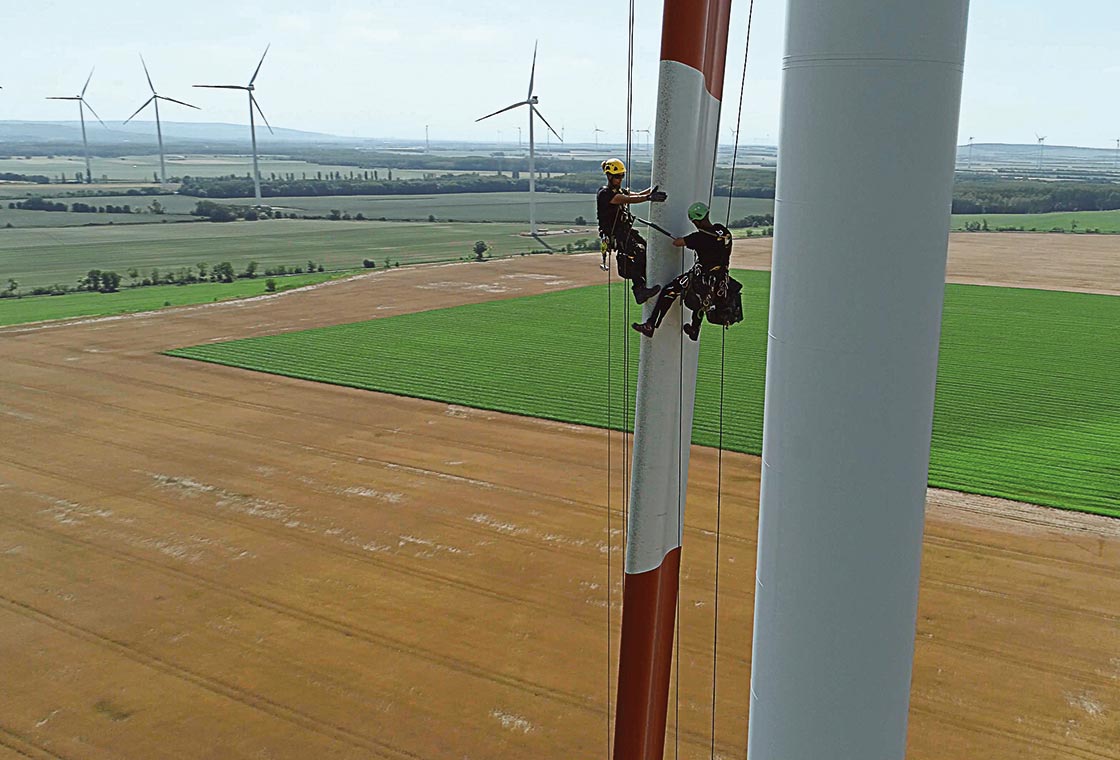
[(203, 562)]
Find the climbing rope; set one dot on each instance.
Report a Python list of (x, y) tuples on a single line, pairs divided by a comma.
[(722, 368)]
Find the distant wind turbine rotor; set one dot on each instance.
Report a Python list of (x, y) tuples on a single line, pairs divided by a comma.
[(82, 105), (154, 102), (1041, 139), (531, 101), (253, 106)]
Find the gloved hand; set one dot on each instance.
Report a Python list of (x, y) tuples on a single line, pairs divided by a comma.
[(657, 196)]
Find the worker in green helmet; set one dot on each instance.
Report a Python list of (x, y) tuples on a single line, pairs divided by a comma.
[(705, 285)]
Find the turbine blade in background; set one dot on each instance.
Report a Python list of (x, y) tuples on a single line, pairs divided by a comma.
[(62, 97), (149, 76), (87, 105), (532, 72), (138, 110), (550, 129), (173, 100), (258, 107), (222, 86), (259, 63), (507, 108), (87, 83)]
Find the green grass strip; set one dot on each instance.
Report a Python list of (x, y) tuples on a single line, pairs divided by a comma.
[(15, 311), (1028, 397)]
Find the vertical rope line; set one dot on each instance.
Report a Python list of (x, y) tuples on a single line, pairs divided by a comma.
[(610, 537), (680, 510), (719, 500), (739, 115)]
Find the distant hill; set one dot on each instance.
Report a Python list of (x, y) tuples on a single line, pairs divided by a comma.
[(143, 132)]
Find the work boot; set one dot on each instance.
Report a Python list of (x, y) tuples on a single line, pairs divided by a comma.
[(645, 328), (641, 294), (692, 331), (605, 267)]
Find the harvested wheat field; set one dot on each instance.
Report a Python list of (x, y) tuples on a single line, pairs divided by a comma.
[(204, 562)]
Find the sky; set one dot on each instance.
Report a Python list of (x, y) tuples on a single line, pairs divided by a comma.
[(375, 68)]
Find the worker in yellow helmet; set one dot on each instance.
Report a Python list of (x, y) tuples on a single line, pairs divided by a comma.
[(616, 228)]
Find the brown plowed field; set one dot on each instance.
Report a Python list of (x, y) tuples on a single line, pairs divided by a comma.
[(202, 562)]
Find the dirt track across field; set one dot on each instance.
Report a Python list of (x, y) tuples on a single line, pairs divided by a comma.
[(202, 562)]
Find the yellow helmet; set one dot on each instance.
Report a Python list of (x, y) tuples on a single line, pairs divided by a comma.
[(613, 166)]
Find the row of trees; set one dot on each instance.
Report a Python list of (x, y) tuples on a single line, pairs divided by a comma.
[(36, 203), (110, 281)]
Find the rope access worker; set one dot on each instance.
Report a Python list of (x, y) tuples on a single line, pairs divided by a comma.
[(616, 228), (706, 286)]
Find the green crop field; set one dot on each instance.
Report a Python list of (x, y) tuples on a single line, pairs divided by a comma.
[(46, 256), (22, 219), (1105, 221), (14, 311), (1028, 398)]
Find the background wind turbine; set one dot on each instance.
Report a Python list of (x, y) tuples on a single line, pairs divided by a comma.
[(1041, 140), (597, 131), (531, 101), (252, 121), (154, 101), (82, 105)]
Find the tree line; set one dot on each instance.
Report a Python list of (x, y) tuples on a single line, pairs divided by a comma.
[(110, 281)]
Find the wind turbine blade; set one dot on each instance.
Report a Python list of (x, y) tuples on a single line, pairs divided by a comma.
[(149, 76), (86, 102), (138, 110), (259, 64), (532, 72), (258, 107), (550, 129), (507, 108), (173, 100), (222, 86), (62, 97), (87, 83)]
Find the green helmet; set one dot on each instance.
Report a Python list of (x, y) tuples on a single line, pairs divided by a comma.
[(697, 211)]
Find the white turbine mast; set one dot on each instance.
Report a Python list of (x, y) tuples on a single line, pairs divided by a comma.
[(1041, 139), (253, 105), (531, 101), (154, 101), (597, 131), (82, 105)]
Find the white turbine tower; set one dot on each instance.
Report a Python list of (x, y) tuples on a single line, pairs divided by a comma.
[(249, 88), (530, 101), (154, 101), (82, 105), (1041, 139), (597, 131)]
